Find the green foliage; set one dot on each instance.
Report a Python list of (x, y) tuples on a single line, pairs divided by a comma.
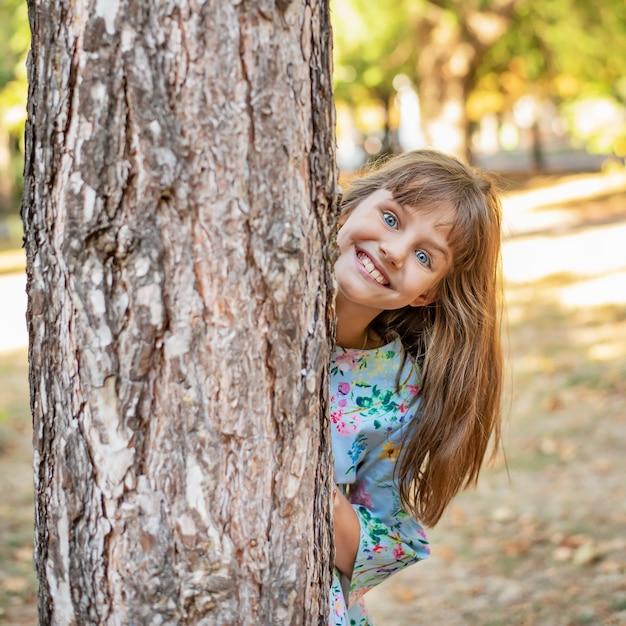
[(14, 43), (567, 51), (574, 48), (373, 41), (562, 50)]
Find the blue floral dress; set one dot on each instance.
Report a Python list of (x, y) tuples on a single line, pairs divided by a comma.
[(368, 419)]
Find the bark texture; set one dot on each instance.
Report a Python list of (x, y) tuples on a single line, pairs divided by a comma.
[(179, 182)]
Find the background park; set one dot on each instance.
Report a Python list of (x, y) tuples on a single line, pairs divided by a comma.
[(535, 92)]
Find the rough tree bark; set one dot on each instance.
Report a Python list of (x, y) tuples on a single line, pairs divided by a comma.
[(179, 179)]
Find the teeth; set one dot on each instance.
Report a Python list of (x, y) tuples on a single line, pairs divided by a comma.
[(369, 266)]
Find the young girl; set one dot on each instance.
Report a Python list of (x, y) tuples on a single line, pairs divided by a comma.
[(416, 373)]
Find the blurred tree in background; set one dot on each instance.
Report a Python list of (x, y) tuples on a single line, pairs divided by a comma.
[(469, 60), (569, 52), (14, 42), (373, 44), (478, 76)]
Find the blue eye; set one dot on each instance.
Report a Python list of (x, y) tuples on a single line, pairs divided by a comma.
[(423, 257), (390, 219)]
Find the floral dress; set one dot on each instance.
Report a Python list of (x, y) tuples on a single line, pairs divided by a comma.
[(368, 419)]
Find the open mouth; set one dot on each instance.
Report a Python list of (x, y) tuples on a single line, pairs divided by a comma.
[(366, 264)]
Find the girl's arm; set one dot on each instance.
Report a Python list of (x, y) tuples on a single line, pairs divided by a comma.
[(347, 533)]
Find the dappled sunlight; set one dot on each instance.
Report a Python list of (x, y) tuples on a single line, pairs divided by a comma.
[(565, 332), (585, 253), (569, 238), (570, 188), (595, 292), (549, 207), (577, 264), (534, 362), (609, 351), (13, 333)]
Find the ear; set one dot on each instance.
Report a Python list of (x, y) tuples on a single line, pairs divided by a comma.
[(425, 298)]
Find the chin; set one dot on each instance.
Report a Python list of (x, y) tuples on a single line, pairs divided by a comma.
[(356, 296)]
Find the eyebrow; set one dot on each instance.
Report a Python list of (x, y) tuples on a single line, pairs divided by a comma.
[(436, 246), (431, 242), (406, 208)]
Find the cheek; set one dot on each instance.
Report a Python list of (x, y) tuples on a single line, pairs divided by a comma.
[(418, 281), (343, 238)]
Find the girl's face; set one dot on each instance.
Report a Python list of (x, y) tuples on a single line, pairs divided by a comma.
[(392, 256)]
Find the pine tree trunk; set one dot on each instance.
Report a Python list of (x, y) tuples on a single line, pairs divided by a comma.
[(442, 89), (454, 39), (179, 178)]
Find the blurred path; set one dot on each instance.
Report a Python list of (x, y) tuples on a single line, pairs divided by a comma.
[(549, 205), (13, 333)]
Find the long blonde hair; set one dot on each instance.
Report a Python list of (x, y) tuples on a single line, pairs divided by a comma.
[(456, 339)]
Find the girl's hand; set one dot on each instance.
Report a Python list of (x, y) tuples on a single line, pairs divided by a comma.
[(347, 533)]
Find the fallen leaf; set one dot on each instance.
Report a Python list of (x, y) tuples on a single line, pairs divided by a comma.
[(445, 553), (14, 584), (25, 553), (404, 594), (575, 541), (517, 547), (562, 553), (554, 403), (586, 554)]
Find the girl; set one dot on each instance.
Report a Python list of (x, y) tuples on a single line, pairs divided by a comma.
[(416, 373)]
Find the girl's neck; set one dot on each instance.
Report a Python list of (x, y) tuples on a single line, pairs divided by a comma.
[(353, 323)]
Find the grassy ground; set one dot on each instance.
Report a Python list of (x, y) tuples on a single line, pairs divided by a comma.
[(539, 543), (17, 578)]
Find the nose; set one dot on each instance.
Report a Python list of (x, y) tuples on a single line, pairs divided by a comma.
[(393, 252)]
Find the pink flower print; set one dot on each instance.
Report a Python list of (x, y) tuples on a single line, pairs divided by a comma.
[(377, 548), (360, 496), (342, 428), (344, 388), (347, 360), (413, 389), (342, 403), (398, 552), (339, 606), (335, 416), (349, 427), (403, 408)]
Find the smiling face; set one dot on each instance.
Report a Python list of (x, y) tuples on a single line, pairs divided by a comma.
[(392, 256)]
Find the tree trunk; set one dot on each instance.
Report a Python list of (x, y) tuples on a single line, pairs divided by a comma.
[(441, 88), (455, 37), (538, 159), (179, 178)]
